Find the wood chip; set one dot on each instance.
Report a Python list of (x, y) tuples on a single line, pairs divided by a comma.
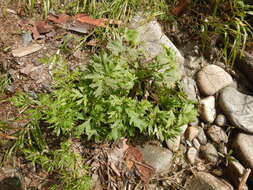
[(23, 51)]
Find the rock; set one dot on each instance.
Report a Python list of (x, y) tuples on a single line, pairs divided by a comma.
[(196, 143), (191, 132), (159, 158), (192, 64), (206, 181), (189, 87), (242, 147), (209, 153), (234, 171), (173, 143), (207, 109), (23, 51), (217, 134), (27, 38), (245, 65), (153, 37), (192, 154), (202, 136), (222, 149), (211, 79), (220, 120), (238, 108)]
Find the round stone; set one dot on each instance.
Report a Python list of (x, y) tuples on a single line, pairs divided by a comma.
[(212, 78)]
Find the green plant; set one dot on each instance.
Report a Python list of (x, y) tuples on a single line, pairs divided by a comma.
[(228, 20), (4, 81), (119, 94), (108, 100), (64, 161)]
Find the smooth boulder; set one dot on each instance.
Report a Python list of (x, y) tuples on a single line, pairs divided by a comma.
[(211, 79), (206, 181), (238, 107)]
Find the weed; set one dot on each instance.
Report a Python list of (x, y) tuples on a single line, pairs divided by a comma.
[(119, 94), (4, 81), (228, 20)]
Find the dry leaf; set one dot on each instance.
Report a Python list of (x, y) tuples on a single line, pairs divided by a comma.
[(134, 158), (35, 32), (59, 19), (43, 27), (83, 18), (181, 6)]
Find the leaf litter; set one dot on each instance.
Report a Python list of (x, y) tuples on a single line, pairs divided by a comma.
[(119, 164)]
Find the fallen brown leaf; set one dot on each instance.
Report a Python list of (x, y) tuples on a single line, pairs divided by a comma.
[(181, 6), (83, 18), (59, 19), (134, 158), (35, 32), (43, 27)]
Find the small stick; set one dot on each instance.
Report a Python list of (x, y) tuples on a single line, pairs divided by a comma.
[(244, 179), (142, 164)]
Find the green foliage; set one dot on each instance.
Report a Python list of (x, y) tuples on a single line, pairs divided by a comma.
[(4, 81), (229, 20), (119, 94), (65, 162)]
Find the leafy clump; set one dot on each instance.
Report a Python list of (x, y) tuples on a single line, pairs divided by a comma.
[(119, 94)]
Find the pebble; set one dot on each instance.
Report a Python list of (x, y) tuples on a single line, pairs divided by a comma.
[(209, 153), (206, 181), (158, 157), (192, 154), (191, 132), (196, 143), (220, 120), (173, 143), (217, 134), (189, 87), (202, 136), (238, 108), (212, 78), (207, 110)]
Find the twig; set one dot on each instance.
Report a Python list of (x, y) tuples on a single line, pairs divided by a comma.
[(244, 179), (142, 164)]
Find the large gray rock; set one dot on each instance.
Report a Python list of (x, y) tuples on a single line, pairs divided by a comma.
[(212, 78), (206, 181), (158, 157), (153, 38), (238, 108)]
